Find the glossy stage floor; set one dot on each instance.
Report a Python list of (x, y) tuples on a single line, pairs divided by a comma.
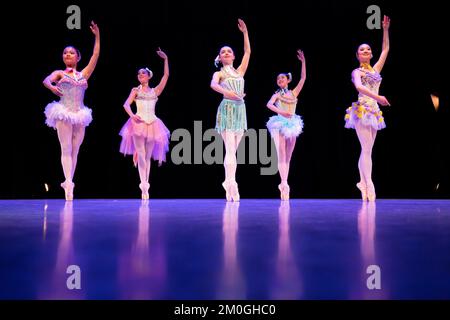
[(210, 249)]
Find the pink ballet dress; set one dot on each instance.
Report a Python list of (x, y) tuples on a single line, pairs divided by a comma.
[(151, 128), (70, 108)]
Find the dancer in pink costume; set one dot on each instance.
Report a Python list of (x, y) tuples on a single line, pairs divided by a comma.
[(231, 120), (144, 135), (364, 115), (69, 116), (286, 126)]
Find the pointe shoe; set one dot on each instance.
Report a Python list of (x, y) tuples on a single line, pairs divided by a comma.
[(371, 195), (226, 186), (68, 189), (144, 188), (284, 191), (363, 190), (234, 192)]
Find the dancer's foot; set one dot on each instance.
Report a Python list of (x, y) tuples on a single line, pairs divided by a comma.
[(371, 195), (234, 191), (284, 191), (226, 186), (144, 188), (363, 188), (68, 189)]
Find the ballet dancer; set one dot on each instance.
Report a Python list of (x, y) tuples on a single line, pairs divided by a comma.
[(364, 115), (69, 116), (231, 119), (286, 126), (144, 135)]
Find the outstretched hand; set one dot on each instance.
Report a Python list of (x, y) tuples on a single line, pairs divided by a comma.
[(386, 23), (300, 55), (242, 26), (94, 28), (161, 53)]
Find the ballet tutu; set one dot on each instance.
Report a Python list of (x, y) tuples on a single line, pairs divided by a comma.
[(155, 131), (288, 127), (367, 112), (231, 115), (55, 111)]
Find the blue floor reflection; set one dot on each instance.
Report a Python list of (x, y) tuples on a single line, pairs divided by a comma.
[(210, 249)]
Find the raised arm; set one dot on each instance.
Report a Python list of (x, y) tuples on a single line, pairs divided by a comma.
[(271, 105), (385, 50), (244, 64), (87, 71), (129, 101), (49, 81), (356, 77), (162, 84), (300, 84)]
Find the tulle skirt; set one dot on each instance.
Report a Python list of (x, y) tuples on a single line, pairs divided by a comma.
[(155, 131), (288, 127), (231, 116), (55, 111), (368, 113)]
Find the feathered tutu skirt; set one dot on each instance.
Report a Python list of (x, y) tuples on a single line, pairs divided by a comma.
[(288, 127), (55, 111), (366, 112), (155, 131)]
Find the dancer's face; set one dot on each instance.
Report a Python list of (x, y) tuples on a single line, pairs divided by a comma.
[(70, 56), (226, 55), (282, 81), (143, 76), (364, 53)]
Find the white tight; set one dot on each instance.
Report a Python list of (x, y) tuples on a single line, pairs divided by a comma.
[(285, 148), (144, 149), (70, 138), (231, 140), (366, 136)]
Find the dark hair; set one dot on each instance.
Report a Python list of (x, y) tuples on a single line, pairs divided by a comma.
[(76, 49), (147, 70)]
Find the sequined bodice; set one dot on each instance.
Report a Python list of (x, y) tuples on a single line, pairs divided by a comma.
[(73, 88), (286, 101), (145, 103), (371, 81), (232, 80)]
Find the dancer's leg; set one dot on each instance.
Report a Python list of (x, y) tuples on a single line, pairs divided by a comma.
[(281, 152), (149, 145), (65, 140), (139, 145), (231, 141), (230, 161), (366, 136), (290, 145), (77, 140)]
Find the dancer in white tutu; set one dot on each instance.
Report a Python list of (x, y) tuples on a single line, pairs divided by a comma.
[(286, 126), (69, 116), (364, 115)]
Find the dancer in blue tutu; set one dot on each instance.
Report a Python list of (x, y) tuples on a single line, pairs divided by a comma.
[(286, 126)]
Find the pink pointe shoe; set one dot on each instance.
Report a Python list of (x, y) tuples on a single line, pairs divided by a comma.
[(68, 189), (284, 191), (363, 189), (144, 186), (232, 191), (371, 195)]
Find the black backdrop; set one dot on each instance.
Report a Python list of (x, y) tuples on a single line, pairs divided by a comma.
[(410, 157)]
